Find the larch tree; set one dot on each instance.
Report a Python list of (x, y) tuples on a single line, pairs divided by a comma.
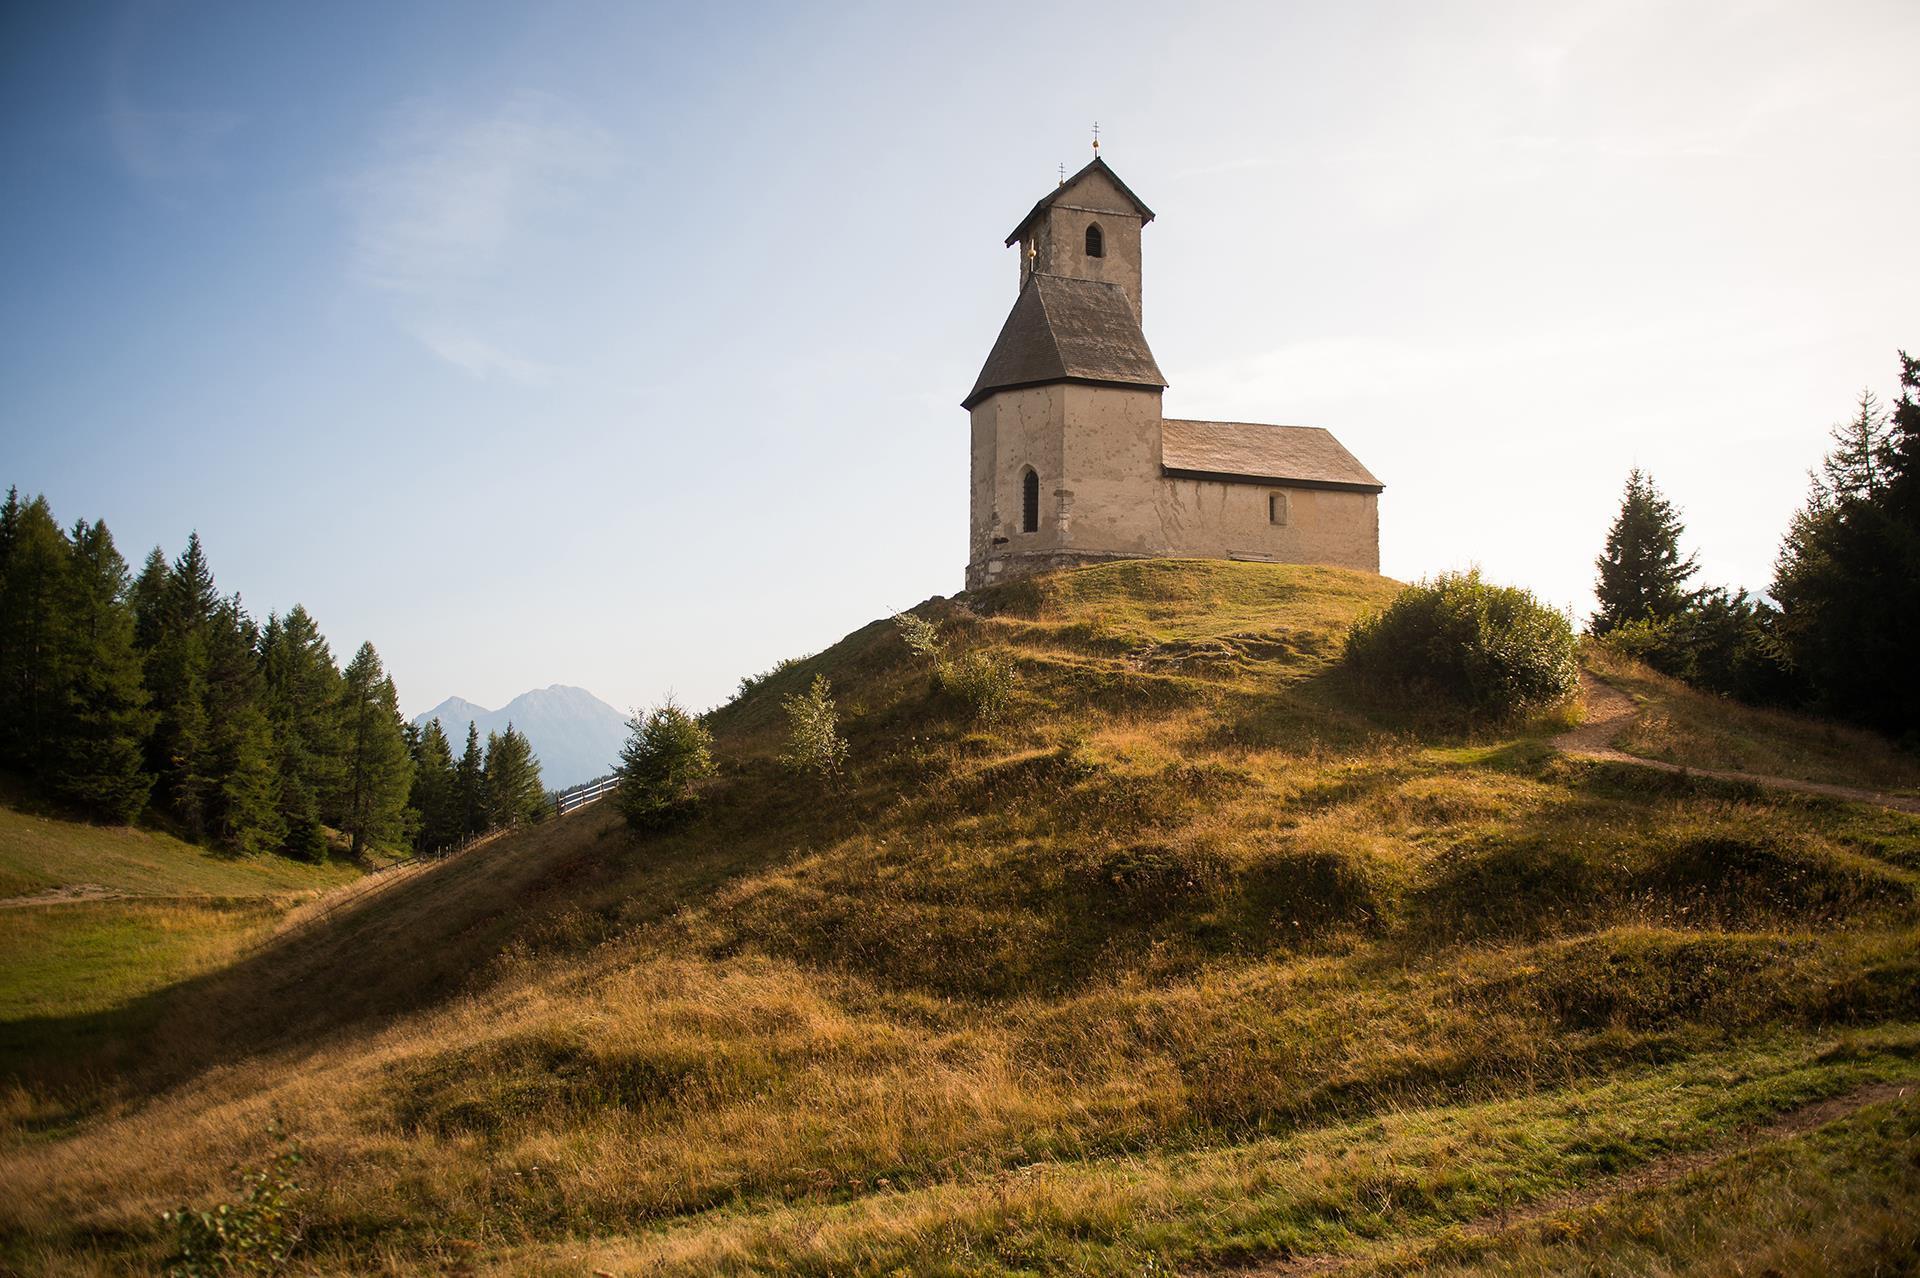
[(1642, 575), (377, 774)]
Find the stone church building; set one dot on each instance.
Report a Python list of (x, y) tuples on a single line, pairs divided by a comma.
[(1073, 462)]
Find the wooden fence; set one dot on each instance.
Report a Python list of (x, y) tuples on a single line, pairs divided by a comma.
[(581, 796)]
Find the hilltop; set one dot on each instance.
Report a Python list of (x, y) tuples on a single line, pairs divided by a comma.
[(1200, 958)]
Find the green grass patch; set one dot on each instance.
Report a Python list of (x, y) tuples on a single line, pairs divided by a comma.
[(67, 960), (39, 852)]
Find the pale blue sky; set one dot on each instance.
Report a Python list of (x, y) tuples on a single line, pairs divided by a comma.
[(622, 345)]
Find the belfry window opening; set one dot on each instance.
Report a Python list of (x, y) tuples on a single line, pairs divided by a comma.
[(1030, 501), (1096, 243)]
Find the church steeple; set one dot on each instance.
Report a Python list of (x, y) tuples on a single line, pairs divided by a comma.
[(1087, 228)]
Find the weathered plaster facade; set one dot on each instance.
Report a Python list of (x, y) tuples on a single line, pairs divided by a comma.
[(1071, 394)]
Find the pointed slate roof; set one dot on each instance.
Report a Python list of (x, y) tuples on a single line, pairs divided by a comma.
[(1253, 453), (1068, 330), (1098, 166)]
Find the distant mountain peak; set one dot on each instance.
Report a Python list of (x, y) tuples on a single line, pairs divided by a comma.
[(575, 734)]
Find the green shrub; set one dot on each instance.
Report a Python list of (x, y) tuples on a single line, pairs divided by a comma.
[(814, 743), (1494, 651), (253, 1235), (921, 636), (1719, 641), (668, 753), (982, 678)]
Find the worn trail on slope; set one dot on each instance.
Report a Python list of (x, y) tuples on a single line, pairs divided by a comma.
[(1610, 710), (1660, 1171)]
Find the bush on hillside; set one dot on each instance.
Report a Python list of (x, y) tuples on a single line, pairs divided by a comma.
[(983, 679), (921, 636), (1494, 651), (255, 1234), (814, 743), (668, 753), (980, 677), (1720, 641)]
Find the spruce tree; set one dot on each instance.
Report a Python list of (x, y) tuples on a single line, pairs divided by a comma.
[(1857, 465), (178, 622), (33, 644), (514, 793), (98, 757), (1641, 572), (377, 774), (149, 600), (667, 754), (243, 795), (470, 786), (434, 794), (302, 699), (1847, 581)]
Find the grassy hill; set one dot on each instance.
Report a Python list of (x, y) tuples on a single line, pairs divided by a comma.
[(1198, 960), (93, 917)]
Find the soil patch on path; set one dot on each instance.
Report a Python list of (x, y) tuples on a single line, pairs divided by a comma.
[(1610, 710)]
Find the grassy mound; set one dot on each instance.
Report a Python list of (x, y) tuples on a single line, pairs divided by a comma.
[(1186, 959)]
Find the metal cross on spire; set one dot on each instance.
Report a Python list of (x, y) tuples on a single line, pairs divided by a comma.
[(1063, 173), (1096, 139)]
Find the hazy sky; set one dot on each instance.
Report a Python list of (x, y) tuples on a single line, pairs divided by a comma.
[(623, 345)]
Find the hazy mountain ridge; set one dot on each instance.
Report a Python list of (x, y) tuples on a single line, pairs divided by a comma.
[(576, 735)]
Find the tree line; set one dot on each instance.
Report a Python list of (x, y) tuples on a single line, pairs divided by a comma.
[(1839, 627), (155, 695)]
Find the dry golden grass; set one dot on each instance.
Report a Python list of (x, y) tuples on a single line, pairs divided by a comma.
[(1187, 960)]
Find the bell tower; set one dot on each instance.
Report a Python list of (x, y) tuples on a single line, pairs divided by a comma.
[(1088, 228)]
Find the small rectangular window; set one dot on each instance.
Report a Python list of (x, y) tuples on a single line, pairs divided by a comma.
[(1276, 508)]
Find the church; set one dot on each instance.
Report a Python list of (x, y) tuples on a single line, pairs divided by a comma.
[(1073, 462)]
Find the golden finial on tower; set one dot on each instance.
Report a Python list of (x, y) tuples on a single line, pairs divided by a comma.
[(1096, 139), (1063, 173)]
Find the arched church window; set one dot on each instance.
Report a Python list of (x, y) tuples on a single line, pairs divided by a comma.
[(1096, 243), (1030, 501)]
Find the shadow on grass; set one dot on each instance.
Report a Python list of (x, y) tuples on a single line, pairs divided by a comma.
[(405, 947)]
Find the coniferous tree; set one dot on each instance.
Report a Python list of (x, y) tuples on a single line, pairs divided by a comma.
[(180, 750), (377, 773), (514, 793), (1847, 581), (1857, 465), (149, 600), (470, 786), (435, 795), (302, 699), (98, 759), (34, 559), (243, 808), (1642, 575), (667, 754)]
